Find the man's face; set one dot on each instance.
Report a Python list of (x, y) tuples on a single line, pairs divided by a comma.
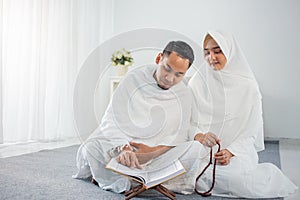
[(213, 55), (171, 70)]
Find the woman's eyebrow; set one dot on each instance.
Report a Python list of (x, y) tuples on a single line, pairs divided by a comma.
[(217, 47)]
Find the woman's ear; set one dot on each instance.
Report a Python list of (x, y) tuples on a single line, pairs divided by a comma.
[(158, 58)]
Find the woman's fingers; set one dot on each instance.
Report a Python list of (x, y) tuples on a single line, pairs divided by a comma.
[(210, 139), (213, 137), (209, 143), (223, 162), (223, 157)]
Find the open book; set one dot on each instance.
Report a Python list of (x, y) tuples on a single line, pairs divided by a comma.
[(151, 174), (159, 170)]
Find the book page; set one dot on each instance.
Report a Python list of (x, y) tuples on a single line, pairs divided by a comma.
[(164, 174), (148, 178)]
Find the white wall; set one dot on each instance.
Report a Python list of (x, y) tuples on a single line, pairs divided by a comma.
[(268, 31)]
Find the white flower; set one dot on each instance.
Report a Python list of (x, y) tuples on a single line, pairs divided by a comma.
[(119, 54), (126, 63), (121, 58)]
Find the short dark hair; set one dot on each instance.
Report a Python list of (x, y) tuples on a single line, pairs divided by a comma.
[(181, 48)]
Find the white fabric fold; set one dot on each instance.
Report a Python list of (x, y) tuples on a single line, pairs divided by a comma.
[(141, 112)]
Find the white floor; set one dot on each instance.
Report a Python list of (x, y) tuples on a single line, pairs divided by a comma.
[(289, 155), (8, 150)]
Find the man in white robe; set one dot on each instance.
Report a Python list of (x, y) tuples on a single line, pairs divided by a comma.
[(148, 115)]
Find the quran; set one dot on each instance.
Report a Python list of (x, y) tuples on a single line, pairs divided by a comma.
[(152, 173)]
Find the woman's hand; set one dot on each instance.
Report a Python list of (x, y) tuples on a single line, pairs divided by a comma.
[(208, 139), (223, 157)]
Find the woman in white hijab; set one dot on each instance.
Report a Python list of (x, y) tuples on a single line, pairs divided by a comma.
[(228, 110)]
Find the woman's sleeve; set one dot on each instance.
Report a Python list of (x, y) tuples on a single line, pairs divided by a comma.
[(195, 123), (251, 132)]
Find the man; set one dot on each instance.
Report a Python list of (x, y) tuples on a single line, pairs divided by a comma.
[(148, 115)]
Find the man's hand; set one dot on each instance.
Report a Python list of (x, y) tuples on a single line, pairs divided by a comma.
[(141, 148), (223, 157), (139, 153), (208, 139), (129, 159), (146, 153), (156, 151)]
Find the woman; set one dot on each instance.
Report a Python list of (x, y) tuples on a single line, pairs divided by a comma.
[(228, 110)]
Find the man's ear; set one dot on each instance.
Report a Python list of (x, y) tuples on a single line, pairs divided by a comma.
[(158, 58)]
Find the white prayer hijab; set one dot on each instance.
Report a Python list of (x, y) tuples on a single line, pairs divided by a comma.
[(225, 99)]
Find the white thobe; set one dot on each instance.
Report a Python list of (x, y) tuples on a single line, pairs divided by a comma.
[(142, 112)]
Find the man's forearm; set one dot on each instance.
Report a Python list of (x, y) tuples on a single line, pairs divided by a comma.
[(159, 150)]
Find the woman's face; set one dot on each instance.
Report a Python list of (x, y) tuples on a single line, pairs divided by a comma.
[(213, 54)]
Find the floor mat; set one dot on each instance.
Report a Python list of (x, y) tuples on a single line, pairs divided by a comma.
[(48, 175)]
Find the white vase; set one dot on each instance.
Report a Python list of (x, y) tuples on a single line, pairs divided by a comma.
[(122, 70)]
